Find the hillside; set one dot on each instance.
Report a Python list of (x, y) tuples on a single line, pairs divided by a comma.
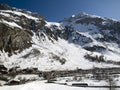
[(81, 41)]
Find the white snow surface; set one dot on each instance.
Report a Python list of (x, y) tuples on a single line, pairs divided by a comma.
[(45, 86), (11, 24), (51, 24), (19, 14), (73, 54), (5, 14)]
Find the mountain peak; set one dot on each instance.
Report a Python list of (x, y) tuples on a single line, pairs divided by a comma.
[(28, 37), (83, 14), (86, 15), (80, 14)]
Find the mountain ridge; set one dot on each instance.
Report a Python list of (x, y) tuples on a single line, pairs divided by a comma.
[(81, 41)]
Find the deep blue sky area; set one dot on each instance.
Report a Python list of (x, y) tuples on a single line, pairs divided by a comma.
[(55, 10)]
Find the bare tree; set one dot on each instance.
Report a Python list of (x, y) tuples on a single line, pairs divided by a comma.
[(111, 82)]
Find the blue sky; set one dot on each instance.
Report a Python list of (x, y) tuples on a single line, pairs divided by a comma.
[(55, 10)]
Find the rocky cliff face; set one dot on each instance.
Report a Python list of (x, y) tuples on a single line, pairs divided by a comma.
[(17, 27), (82, 41)]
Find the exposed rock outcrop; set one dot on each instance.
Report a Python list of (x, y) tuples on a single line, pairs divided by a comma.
[(17, 27)]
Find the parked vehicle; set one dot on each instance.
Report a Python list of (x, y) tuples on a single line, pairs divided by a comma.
[(80, 84)]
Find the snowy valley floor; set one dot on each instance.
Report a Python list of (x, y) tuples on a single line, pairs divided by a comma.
[(38, 85), (64, 83)]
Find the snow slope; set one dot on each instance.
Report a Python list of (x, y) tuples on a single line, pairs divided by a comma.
[(45, 61), (63, 46), (11, 24)]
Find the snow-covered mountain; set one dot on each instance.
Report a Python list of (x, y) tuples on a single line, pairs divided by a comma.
[(81, 41)]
